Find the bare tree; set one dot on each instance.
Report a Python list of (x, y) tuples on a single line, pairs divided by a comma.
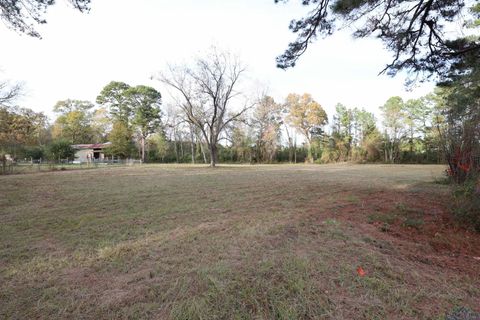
[(267, 122), (173, 123), (206, 92), (9, 92)]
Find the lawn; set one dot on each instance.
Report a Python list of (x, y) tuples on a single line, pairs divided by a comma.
[(235, 242)]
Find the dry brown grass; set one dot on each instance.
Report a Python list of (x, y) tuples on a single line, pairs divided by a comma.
[(236, 242)]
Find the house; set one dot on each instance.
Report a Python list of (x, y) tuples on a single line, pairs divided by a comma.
[(90, 152)]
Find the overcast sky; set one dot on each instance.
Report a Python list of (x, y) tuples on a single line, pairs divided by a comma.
[(130, 40)]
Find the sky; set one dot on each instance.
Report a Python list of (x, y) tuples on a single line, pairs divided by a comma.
[(131, 40)]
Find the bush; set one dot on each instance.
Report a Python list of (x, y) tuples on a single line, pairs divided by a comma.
[(329, 156), (60, 149), (36, 152), (467, 202)]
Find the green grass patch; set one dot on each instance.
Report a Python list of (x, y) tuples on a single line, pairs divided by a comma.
[(388, 218)]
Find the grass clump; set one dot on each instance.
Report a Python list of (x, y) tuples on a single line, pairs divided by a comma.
[(409, 217), (388, 218), (412, 222)]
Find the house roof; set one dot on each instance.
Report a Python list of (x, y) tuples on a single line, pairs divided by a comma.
[(91, 146)]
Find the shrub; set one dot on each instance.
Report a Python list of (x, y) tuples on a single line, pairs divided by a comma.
[(35, 152), (467, 202), (60, 149)]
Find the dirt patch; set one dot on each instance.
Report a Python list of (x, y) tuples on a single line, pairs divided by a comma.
[(432, 238)]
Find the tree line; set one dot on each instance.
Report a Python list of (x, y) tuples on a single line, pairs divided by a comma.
[(413, 31), (212, 120)]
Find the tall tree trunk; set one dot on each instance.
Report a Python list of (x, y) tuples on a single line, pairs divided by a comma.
[(392, 153), (385, 148), (143, 148), (411, 143), (295, 149), (3, 158), (290, 150), (290, 145), (181, 149), (203, 153), (213, 154), (176, 147), (192, 141), (202, 149), (309, 153), (385, 153)]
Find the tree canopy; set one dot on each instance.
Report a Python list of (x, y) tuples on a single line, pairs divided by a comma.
[(266, 123), (21, 127), (307, 116), (115, 98), (24, 15), (145, 102), (415, 31), (74, 121)]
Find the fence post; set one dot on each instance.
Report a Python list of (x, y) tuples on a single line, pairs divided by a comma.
[(4, 164)]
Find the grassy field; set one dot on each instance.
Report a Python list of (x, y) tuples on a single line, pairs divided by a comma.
[(235, 242)]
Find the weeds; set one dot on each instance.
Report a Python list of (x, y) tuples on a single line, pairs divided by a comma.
[(412, 222), (408, 217), (467, 203), (386, 218)]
